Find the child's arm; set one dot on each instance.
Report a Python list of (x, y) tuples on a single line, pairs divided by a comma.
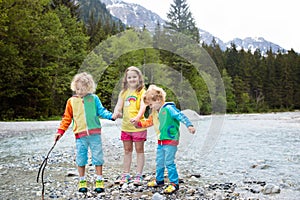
[(140, 113), (65, 122), (144, 123), (101, 111), (119, 106), (177, 114)]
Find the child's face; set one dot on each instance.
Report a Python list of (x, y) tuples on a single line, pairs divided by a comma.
[(155, 104), (132, 79), (79, 90)]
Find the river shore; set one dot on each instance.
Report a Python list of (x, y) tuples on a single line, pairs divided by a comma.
[(255, 157)]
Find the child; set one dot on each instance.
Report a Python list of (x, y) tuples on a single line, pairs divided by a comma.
[(166, 119), (129, 102), (84, 109)]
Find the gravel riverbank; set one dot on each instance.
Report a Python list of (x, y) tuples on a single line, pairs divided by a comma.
[(239, 167)]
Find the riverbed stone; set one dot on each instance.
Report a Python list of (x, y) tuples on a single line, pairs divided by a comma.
[(270, 189)]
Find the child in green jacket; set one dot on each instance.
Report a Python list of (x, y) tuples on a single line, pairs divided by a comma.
[(165, 118)]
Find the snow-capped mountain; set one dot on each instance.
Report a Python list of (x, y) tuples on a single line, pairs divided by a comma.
[(207, 38), (247, 43), (255, 43), (135, 15)]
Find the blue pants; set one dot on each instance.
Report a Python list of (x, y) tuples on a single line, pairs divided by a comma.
[(94, 142), (165, 158)]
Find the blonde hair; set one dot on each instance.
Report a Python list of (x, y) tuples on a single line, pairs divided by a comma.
[(141, 79), (154, 93), (83, 83)]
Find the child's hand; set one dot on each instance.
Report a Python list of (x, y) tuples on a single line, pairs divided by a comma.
[(57, 137), (119, 115), (135, 123), (116, 115), (192, 130), (134, 120)]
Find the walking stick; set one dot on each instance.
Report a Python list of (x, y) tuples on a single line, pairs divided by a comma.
[(42, 169)]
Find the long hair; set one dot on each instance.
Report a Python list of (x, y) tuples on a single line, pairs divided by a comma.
[(141, 79)]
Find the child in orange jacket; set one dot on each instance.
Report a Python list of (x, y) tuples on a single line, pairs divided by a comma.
[(84, 109)]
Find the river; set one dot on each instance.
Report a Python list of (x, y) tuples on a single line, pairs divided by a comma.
[(247, 149)]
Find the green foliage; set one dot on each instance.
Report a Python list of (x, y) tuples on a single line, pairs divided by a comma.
[(259, 83), (44, 43), (98, 22), (231, 104), (44, 46), (181, 20)]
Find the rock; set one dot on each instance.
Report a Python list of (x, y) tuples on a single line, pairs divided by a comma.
[(124, 186), (196, 175), (270, 189), (72, 173), (39, 193), (158, 196), (144, 196), (115, 193), (191, 191)]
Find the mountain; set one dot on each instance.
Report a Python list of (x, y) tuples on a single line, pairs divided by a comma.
[(99, 11), (135, 15), (251, 43), (255, 43)]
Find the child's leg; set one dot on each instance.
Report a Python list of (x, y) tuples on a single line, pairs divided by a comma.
[(160, 163), (81, 156), (97, 154), (170, 152), (81, 171), (99, 172), (140, 156), (99, 184), (128, 147), (97, 160), (82, 185), (160, 168)]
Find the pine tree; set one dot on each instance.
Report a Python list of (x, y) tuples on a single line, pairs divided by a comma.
[(181, 20), (231, 105), (44, 46)]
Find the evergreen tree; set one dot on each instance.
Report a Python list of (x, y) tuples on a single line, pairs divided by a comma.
[(100, 24), (232, 61), (70, 4), (11, 67), (293, 60), (231, 105), (257, 70), (181, 20), (216, 54), (49, 45), (270, 82)]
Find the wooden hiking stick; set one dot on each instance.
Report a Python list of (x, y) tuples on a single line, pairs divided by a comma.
[(42, 168)]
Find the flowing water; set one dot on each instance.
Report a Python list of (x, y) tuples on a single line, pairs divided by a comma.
[(248, 148)]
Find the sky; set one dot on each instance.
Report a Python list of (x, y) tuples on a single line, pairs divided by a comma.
[(276, 21)]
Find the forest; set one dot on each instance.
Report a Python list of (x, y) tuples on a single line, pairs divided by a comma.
[(44, 43)]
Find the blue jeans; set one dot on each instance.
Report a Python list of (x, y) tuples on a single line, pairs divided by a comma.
[(94, 142), (165, 158)]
